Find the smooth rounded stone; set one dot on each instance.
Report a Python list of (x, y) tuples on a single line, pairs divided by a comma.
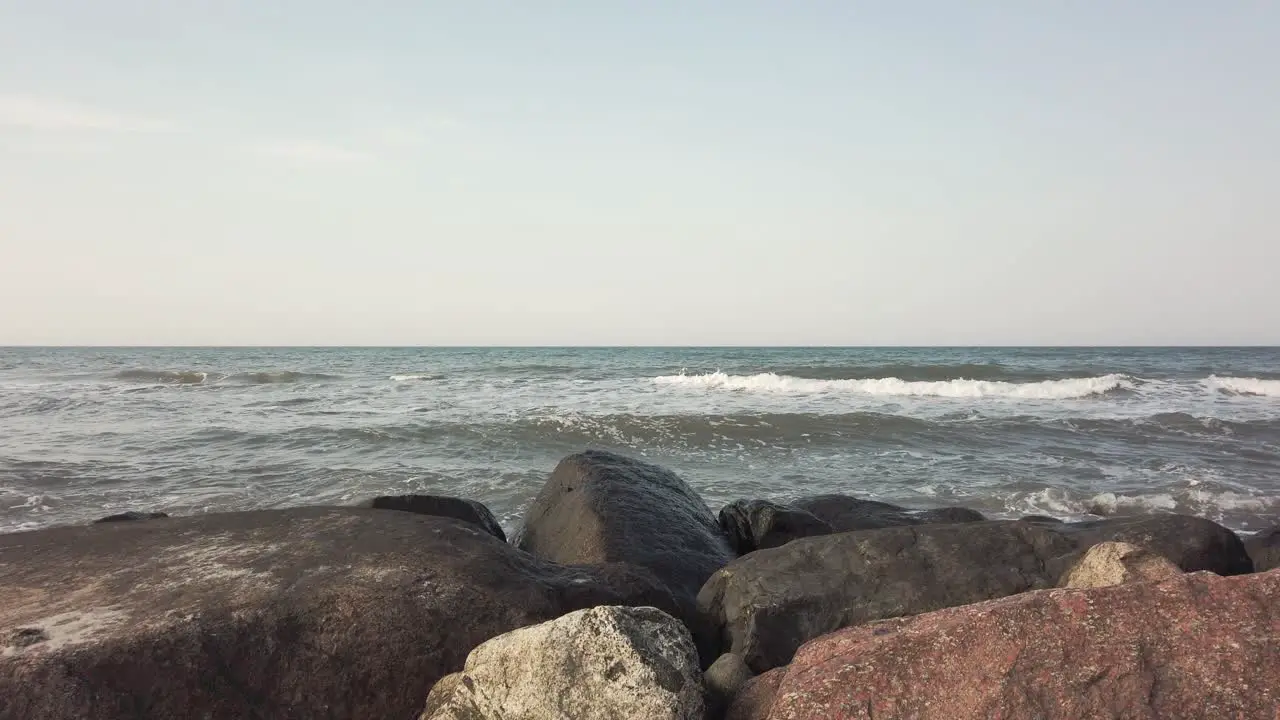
[(770, 602), (1195, 646), (1264, 549), (132, 516), (441, 506), (752, 525), (1191, 543), (298, 613), (724, 679), (1115, 563), (845, 513), (600, 507), (603, 663)]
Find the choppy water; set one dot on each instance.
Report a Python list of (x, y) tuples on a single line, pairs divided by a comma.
[(1066, 432)]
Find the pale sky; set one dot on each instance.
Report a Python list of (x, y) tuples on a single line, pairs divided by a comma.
[(593, 172)]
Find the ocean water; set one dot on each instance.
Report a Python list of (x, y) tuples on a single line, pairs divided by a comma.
[(1072, 433)]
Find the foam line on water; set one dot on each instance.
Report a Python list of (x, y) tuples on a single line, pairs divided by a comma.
[(784, 384)]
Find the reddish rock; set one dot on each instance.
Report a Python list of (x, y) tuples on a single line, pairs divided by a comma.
[(756, 697), (1197, 646)]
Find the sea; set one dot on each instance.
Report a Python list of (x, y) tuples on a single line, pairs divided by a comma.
[(1074, 433)]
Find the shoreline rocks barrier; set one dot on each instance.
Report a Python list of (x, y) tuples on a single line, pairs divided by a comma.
[(620, 589)]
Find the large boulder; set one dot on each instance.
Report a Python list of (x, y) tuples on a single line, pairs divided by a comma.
[(845, 513), (1117, 563), (752, 525), (1264, 549), (1192, 543), (1196, 646), (300, 613), (768, 603), (441, 506), (599, 507), (597, 664)]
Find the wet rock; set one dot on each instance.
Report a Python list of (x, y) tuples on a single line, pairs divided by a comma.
[(1116, 563), (299, 613), (605, 663), (752, 525), (768, 603), (1264, 549), (599, 507), (1043, 519), (1192, 543), (132, 515), (847, 514), (726, 676), (1196, 646), (441, 506)]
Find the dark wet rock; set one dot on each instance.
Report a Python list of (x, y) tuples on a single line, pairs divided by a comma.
[(726, 676), (1264, 549), (845, 513), (752, 525), (768, 603), (599, 507), (1196, 646), (1192, 543), (131, 516), (299, 613), (441, 506), (1043, 519)]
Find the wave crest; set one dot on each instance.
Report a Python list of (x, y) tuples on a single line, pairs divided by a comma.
[(891, 386), (1244, 386), (199, 377)]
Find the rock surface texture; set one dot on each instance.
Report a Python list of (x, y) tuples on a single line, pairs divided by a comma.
[(442, 506), (1192, 543), (301, 613), (597, 664), (1264, 549), (1196, 646), (598, 507), (845, 513), (752, 525), (1117, 563)]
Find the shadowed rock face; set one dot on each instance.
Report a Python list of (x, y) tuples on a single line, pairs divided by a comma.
[(1264, 549), (1196, 646), (599, 507), (301, 613), (441, 506), (752, 525)]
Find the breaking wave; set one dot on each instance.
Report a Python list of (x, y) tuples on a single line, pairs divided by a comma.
[(892, 386), (198, 377), (1244, 385)]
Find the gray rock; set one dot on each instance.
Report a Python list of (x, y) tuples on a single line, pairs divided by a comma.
[(441, 506), (599, 507), (752, 525), (1192, 543), (726, 676), (300, 613), (605, 663), (1264, 549), (131, 516), (1116, 563), (845, 513)]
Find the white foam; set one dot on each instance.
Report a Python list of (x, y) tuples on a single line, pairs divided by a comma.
[(1244, 385), (410, 378), (785, 384)]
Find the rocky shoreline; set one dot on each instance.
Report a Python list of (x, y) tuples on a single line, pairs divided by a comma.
[(624, 596)]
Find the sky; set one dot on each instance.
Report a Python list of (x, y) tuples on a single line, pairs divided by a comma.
[(639, 173)]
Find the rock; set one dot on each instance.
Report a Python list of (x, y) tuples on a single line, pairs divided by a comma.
[(1264, 549), (605, 663), (847, 514), (441, 506), (299, 613), (598, 507), (724, 679), (1116, 563), (755, 699), (1195, 646), (131, 516), (755, 524), (1192, 543), (1044, 519), (768, 603)]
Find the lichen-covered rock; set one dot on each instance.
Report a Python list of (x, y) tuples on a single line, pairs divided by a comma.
[(1195, 646), (605, 663), (1117, 563)]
